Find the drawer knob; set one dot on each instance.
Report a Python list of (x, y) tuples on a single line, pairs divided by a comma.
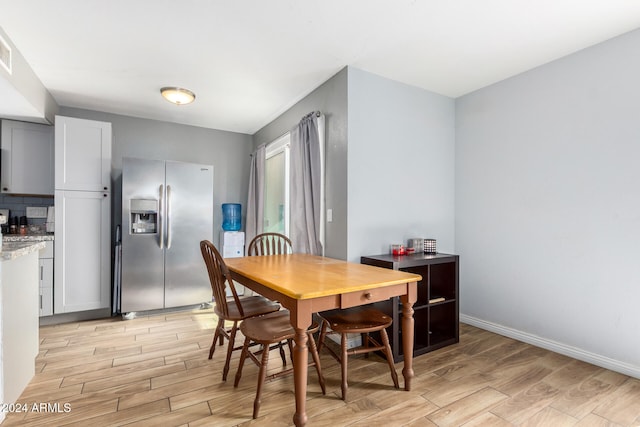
[(367, 295)]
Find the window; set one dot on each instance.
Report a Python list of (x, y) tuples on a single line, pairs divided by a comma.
[(277, 215), (276, 186)]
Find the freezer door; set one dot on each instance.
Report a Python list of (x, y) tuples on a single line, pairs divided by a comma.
[(142, 253), (189, 220)]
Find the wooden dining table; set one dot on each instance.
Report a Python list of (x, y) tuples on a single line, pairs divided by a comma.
[(306, 284)]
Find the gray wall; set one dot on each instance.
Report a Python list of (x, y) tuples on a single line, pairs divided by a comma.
[(389, 127), (331, 99), (548, 206), (401, 165), (228, 152)]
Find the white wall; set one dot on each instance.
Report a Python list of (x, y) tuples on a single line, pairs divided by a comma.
[(400, 165), (548, 205)]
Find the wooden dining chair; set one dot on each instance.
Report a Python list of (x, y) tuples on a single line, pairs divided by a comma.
[(273, 328), (269, 244), (357, 320), (233, 308)]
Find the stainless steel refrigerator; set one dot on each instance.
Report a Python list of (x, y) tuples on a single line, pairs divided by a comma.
[(167, 209)]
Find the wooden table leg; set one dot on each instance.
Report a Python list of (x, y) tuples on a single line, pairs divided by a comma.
[(300, 320), (300, 364), (408, 332)]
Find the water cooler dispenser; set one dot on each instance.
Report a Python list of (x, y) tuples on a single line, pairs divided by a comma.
[(231, 238), (232, 243), (231, 216)]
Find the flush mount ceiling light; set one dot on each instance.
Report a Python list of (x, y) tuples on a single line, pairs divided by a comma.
[(178, 95)]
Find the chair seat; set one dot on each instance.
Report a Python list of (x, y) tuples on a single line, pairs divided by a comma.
[(272, 328), (356, 320), (252, 306), (269, 328)]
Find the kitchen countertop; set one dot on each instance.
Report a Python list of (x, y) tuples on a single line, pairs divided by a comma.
[(13, 250), (27, 237)]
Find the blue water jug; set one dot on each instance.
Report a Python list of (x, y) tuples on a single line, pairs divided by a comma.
[(231, 216)]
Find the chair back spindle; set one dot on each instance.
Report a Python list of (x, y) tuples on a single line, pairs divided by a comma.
[(269, 244)]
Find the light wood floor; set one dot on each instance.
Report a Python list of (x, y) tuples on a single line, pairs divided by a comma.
[(154, 371)]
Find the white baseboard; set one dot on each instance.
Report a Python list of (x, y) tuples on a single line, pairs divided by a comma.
[(576, 353)]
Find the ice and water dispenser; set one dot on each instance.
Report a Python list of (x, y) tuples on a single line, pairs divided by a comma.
[(144, 216)]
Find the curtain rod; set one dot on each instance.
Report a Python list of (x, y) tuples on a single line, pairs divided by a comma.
[(264, 144), (317, 113)]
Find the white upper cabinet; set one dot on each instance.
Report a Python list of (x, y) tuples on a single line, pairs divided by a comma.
[(82, 155), (27, 158)]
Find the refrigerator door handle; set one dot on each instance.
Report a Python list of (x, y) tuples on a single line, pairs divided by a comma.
[(168, 217), (161, 217)]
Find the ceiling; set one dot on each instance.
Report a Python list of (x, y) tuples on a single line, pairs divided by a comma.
[(248, 61)]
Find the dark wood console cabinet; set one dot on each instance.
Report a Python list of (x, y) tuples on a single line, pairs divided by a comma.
[(436, 311)]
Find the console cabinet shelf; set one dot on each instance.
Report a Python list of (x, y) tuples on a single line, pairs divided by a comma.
[(436, 311)]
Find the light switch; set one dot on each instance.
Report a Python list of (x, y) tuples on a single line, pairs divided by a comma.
[(329, 215)]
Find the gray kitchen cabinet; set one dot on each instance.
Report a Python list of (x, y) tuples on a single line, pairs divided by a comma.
[(45, 258), (27, 158)]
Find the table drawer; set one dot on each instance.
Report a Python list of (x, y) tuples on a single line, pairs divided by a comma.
[(353, 299)]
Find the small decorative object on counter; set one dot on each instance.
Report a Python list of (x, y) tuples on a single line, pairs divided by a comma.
[(417, 244), (397, 250), (13, 225), (430, 246), (410, 251), (23, 225)]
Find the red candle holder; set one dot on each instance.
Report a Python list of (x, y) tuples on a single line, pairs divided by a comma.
[(397, 250)]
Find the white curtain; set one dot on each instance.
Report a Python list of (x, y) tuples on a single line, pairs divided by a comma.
[(306, 186), (255, 200)]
